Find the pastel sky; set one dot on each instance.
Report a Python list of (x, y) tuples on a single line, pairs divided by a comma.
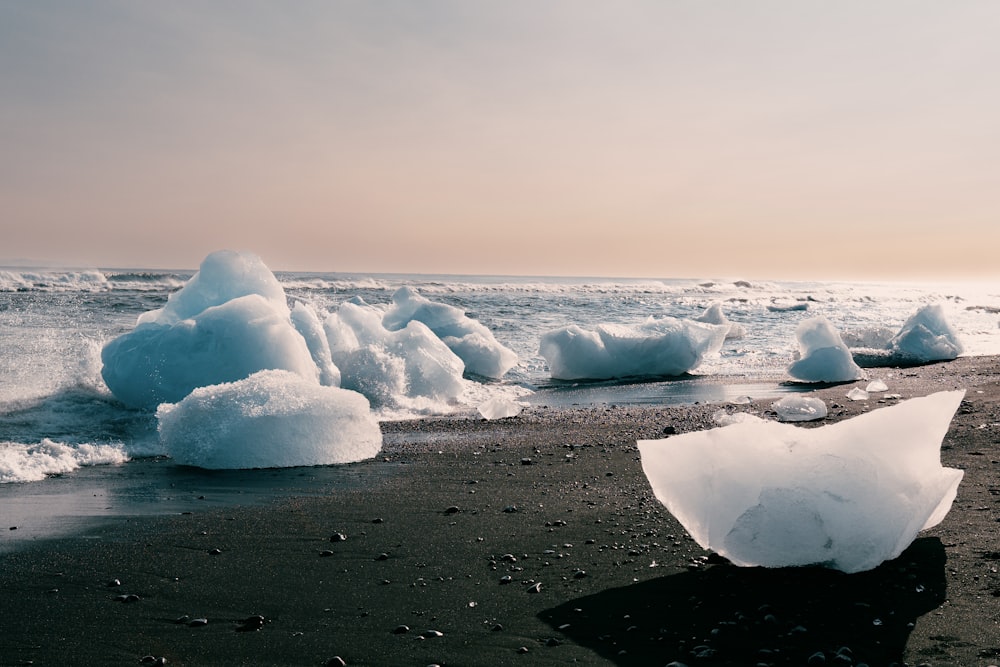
[(656, 138)]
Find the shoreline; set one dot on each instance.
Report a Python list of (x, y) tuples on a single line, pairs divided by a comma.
[(555, 497)]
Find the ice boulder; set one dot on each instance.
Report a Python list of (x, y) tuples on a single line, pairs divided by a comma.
[(846, 496), (799, 408), (499, 407), (659, 347), (474, 344), (228, 322), (823, 357), (272, 419), (306, 321), (410, 368), (925, 337), (714, 315)]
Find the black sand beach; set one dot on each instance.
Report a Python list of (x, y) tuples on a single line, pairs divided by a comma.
[(527, 541)]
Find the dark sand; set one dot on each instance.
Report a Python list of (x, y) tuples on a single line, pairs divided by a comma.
[(562, 493)]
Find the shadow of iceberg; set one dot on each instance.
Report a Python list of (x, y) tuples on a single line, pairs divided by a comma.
[(727, 615)]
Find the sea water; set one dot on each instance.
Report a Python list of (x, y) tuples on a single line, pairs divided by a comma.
[(56, 413)]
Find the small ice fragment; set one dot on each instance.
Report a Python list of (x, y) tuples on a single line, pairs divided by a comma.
[(799, 408), (857, 394), (823, 357), (741, 400), (499, 408), (723, 418), (877, 385)]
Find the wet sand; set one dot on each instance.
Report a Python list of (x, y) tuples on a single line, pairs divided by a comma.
[(527, 541)]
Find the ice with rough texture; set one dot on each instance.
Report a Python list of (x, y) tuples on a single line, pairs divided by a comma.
[(474, 344), (307, 323), (659, 347), (823, 357), (796, 408), (925, 337), (714, 315), (499, 407), (272, 419), (409, 368), (228, 322), (846, 496)]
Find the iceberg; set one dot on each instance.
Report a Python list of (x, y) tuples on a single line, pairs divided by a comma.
[(408, 368), (271, 419), (823, 357), (474, 344), (228, 322), (846, 496), (659, 347), (925, 337), (714, 315)]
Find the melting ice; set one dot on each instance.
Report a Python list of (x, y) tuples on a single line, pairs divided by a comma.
[(846, 496)]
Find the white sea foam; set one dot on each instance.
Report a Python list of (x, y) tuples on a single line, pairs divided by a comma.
[(30, 463)]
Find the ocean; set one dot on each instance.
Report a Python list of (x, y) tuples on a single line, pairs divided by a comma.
[(56, 414)]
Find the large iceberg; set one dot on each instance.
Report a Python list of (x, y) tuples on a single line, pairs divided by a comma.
[(272, 419), (659, 347), (410, 368), (823, 357), (474, 344), (847, 496), (228, 322)]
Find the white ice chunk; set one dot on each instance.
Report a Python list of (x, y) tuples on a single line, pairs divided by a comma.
[(307, 323), (409, 368), (161, 363), (857, 394), (823, 357), (714, 315), (499, 407), (877, 385), (470, 340), (796, 408), (272, 419), (658, 347), (847, 496), (926, 336), (223, 276)]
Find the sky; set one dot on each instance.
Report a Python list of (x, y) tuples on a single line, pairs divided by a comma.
[(650, 138)]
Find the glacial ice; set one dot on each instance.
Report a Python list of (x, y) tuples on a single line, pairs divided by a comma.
[(272, 419), (877, 385), (795, 408), (823, 357), (306, 321), (474, 344), (858, 394), (846, 496), (658, 347), (409, 368), (229, 321), (925, 337), (714, 315), (499, 407)]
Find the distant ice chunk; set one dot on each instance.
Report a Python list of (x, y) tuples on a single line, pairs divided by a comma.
[(409, 368), (795, 408), (659, 347), (714, 315), (858, 394), (724, 418), (823, 357), (926, 336), (470, 340), (877, 385), (846, 496), (499, 407), (272, 419)]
